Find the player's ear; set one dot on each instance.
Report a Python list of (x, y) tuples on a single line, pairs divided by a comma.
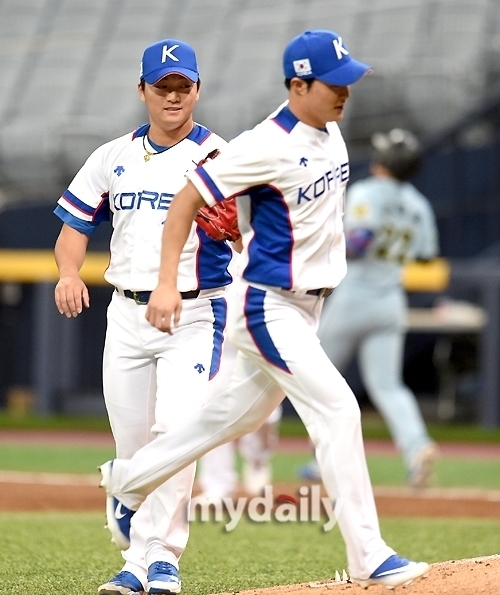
[(140, 88), (298, 86)]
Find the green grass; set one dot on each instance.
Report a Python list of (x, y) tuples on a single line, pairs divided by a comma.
[(449, 472), (70, 553), (53, 459), (384, 469), (10, 421), (373, 427), (389, 470)]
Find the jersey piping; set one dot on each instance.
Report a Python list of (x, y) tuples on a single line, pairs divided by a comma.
[(198, 134)]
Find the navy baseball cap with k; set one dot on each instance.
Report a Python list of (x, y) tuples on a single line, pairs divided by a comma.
[(169, 56), (322, 55)]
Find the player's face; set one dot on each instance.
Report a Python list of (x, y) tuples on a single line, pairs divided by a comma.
[(170, 103), (324, 103)]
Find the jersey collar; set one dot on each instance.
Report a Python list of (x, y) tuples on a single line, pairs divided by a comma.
[(286, 120)]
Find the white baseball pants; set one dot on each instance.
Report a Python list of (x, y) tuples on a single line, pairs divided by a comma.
[(151, 382), (280, 354)]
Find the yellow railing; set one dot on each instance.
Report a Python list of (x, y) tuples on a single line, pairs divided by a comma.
[(34, 266), (38, 266), (429, 276)]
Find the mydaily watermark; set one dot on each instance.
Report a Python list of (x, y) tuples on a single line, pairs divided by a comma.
[(308, 506)]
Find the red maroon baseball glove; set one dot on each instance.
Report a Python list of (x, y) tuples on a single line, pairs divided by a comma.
[(219, 222)]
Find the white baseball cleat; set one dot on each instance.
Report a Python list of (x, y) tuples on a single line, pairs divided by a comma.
[(118, 516), (420, 474), (256, 477), (395, 571)]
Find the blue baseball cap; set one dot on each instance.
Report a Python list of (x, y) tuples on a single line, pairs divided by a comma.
[(169, 56), (322, 55)]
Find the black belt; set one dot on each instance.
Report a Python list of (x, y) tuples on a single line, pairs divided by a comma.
[(323, 292), (142, 297)]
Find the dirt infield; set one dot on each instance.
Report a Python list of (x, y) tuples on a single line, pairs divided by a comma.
[(51, 491)]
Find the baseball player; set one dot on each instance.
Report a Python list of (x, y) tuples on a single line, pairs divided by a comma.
[(150, 379), (289, 176), (387, 223)]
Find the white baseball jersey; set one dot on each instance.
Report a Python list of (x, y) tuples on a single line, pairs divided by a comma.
[(403, 226), (299, 175), (113, 181)]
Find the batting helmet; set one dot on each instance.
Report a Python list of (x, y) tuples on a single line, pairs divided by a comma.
[(398, 151)]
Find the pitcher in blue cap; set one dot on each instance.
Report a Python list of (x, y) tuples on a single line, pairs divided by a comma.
[(322, 55), (289, 175)]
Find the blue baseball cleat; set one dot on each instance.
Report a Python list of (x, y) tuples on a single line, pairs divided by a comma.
[(163, 578), (395, 571), (118, 516), (124, 583), (310, 471)]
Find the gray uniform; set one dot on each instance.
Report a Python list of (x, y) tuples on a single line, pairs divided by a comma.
[(367, 312)]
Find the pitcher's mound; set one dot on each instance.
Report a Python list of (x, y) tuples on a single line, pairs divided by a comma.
[(475, 576)]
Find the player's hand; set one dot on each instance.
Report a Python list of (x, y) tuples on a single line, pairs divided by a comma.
[(164, 308), (71, 295)]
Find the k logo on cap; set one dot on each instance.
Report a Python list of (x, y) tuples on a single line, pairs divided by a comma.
[(169, 56), (322, 55)]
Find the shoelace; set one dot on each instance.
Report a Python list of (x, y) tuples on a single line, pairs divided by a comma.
[(166, 568), (120, 577)]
